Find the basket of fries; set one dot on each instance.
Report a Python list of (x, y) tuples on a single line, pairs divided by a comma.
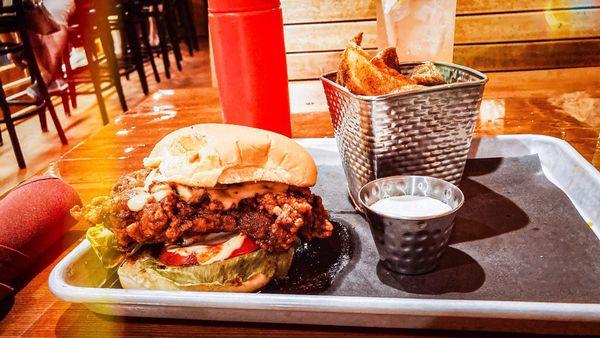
[(393, 118)]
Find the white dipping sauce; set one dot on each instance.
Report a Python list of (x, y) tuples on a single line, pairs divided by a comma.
[(410, 206)]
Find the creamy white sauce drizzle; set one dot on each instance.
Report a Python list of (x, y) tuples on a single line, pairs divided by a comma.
[(232, 195), (410, 206), (226, 248), (189, 194), (229, 196), (137, 201)]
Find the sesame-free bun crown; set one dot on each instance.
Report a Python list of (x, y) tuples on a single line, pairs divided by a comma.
[(205, 155)]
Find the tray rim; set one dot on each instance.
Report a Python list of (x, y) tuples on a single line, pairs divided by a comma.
[(316, 303), (504, 309)]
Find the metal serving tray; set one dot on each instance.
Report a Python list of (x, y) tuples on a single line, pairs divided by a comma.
[(76, 277)]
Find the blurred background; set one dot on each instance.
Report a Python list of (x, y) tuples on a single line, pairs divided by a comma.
[(495, 36)]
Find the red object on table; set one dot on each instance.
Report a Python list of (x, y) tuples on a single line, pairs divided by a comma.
[(250, 64), (32, 217)]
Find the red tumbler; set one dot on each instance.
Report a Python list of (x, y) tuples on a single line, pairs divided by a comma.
[(249, 58)]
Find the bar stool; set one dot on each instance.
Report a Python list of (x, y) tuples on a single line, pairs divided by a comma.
[(163, 14), (185, 16), (85, 27), (12, 21), (125, 17), (96, 20)]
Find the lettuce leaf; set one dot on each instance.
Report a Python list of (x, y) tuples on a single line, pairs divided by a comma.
[(231, 270), (104, 243)]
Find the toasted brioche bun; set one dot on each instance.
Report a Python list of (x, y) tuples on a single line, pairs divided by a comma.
[(205, 155), (133, 276)]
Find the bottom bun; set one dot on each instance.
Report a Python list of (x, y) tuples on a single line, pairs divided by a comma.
[(134, 276)]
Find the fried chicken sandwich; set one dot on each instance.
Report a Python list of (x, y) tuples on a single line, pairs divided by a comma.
[(216, 208)]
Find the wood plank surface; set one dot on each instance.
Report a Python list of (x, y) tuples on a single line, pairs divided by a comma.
[(328, 36), (528, 26), (304, 66), (493, 6), (492, 57), (530, 55), (306, 11), (302, 11)]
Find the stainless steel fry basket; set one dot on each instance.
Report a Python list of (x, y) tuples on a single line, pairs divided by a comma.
[(424, 132)]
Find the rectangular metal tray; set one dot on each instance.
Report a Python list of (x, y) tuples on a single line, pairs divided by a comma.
[(76, 277)]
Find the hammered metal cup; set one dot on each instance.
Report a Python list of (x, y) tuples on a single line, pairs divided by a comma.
[(419, 132), (411, 245)]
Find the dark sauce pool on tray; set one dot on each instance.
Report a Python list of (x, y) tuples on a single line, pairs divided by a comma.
[(317, 263)]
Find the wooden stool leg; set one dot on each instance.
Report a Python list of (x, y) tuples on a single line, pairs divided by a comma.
[(190, 15), (69, 77), (109, 52), (88, 46), (148, 47), (55, 120), (42, 86), (162, 36), (10, 127), (172, 32), (134, 44), (64, 96), (34, 77), (185, 15), (43, 121)]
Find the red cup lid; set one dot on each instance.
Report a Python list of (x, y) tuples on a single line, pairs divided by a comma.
[(224, 6)]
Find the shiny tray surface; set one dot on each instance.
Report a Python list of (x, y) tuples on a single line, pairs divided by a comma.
[(76, 277)]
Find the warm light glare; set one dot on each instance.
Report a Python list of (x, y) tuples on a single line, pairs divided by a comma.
[(160, 93), (491, 110), (553, 20), (165, 115)]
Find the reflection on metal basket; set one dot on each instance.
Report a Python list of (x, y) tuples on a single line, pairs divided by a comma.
[(424, 132)]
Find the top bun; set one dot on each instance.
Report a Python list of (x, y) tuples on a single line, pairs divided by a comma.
[(205, 155)]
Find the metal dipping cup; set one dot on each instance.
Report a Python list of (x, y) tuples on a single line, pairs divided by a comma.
[(411, 245)]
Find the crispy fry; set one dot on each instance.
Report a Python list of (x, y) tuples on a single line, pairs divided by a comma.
[(427, 74), (361, 76), (358, 39), (386, 58)]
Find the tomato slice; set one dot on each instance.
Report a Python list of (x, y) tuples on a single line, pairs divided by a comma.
[(173, 258), (248, 246)]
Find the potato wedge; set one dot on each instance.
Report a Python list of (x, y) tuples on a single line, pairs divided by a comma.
[(363, 77)]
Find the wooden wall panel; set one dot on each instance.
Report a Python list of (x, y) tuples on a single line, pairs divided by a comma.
[(328, 37), (302, 11), (487, 57), (491, 35), (306, 11), (530, 55), (307, 66), (526, 26), (501, 6)]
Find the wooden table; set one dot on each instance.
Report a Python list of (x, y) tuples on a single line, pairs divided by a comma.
[(543, 102)]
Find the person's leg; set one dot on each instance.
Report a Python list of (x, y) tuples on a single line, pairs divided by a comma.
[(59, 10), (48, 51)]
